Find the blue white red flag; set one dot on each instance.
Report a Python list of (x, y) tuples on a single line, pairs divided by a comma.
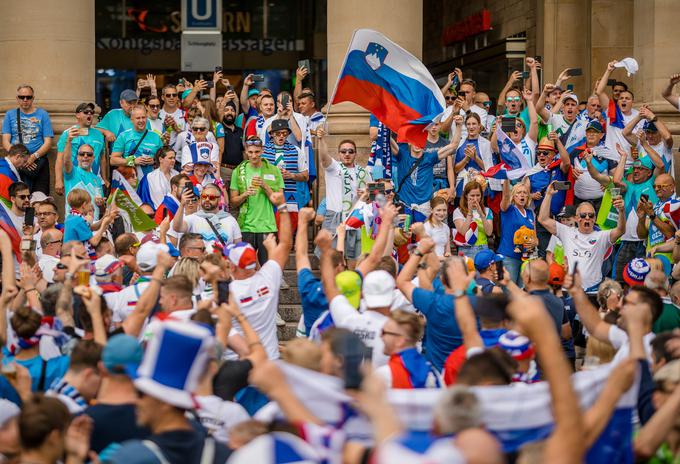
[(8, 176), (467, 239), (510, 153), (277, 448), (672, 210), (7, 225), (168, 207), (614, 115), (391, 84)]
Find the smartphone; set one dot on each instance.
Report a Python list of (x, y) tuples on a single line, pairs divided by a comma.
[(218, 68), (526, 74), (375, 188), (508, 124), (353, 352), (83, 130), (611, 82), (222, 291), (304, 64), (210, 84), (285, 99), (230, 88), (189, 188), (562, 185), (644, 196), (575, 72), (29, 218), (570, 87), (500, 270), (258, 77)]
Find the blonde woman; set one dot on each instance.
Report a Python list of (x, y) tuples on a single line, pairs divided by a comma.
[(514, 214)]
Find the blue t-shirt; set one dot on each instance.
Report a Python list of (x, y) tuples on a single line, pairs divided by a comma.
[(417, 189), (116, 121), (76, 228), (86, 180), (312, 297), (442, 334), (55, 369), (94, 138), (460, 155), (35, 127), (128, 140), (511, 220), (540, 182)]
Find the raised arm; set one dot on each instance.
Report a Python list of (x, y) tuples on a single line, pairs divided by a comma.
[(9, 285), (544, 212), (305, 216), (324, 242), (465, 316), (66, 154), (533, 117), (628, 130), (534, 66), (247, 82), (617, 176), (620, 228), (540, 104), (282, 250), (602, 85), (325, 158), (565, 160), (659, 166), (387, 215), (425, 246), (588, 314), (258, 354), (451, 148), (506, 199), (601, 178), (667, 92), (514, 77)]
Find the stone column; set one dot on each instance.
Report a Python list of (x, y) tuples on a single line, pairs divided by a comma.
[(50, 45)]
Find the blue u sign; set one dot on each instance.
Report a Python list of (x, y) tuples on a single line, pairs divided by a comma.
[(202, 14)]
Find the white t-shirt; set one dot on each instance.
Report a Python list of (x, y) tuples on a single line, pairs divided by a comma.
[(258, 299), (615, 134), (441, 235), (585, 187), (662, 149), (619, 340), (587, 250), (528, 149), (186, 137), (47, 264), (127, 301), (219, 416), (367, 326), (178, 116), (334, 178), (225, 225), (205, 151)]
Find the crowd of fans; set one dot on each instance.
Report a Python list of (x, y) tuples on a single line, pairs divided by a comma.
[(437, 275)]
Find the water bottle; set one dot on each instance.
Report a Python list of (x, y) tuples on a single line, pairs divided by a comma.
[(378, 169)]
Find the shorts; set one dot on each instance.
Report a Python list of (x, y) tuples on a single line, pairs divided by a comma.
[(331, 221)]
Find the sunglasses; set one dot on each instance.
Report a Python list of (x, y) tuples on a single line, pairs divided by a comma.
[(201, 249), (389, 191), (88, 112), (256, 142), (346, 150), (170, 95), (450, 98), (60, 266), (513, 99), (486, 103), (586, 215), (86, 154), (206, 196), (55, 241), (135, 245), (543, 153), (200, 129), (25, 97), (23, 197), (154, 107), (662, 186)]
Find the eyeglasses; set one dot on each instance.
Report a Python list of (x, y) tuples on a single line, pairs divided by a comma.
[(25, 97), (135, 245), (207, 196), (170, 95), (351, 151), (387, 332), (87, 154), (155, 107), (87, 112), (197, 248), (543, 153), (586, 215), (662, 186), (54, 241), (256, 142), (513, 99), (45, 213), (200, 129)]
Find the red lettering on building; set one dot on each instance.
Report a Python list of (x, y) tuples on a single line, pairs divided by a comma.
[(472, 25)]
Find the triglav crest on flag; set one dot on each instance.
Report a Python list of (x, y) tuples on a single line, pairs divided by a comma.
[(375, 55)]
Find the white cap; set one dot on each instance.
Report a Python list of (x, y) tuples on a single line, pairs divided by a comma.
[(147, 255), (39, 197), (378, 289), (573, 96), (630, 64), (106, 265)]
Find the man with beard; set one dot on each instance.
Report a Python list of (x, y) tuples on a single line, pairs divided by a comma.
[(85, 134), (213, 224), (233, 143), (81, 175)]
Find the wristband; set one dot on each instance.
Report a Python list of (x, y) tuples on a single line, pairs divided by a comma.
[(282, 209), (130, 160), (417, 252), (68, 276)]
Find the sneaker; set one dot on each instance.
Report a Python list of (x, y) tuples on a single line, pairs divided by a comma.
[(279, 320)]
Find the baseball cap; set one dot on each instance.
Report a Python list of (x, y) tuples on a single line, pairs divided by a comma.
[(635, 272), (39, 197), (129, 95), (644, 162), (186, 93), (241, 254), (567, 212), (147, 255), (573, 96), (83, 106), (378, 289), (349, 284), (649, 126), (594, 125), (557, 274), (122, 355), (252, 92), (106, 265), (516, 345), (485, 258), (279, 124)]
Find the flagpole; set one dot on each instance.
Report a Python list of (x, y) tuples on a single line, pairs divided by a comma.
[(335, 88)]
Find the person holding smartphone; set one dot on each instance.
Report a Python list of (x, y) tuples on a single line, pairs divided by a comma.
[(81, 175)]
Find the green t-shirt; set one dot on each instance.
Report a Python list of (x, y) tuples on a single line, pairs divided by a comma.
[(256, 214), (116, 121), (668, 320)]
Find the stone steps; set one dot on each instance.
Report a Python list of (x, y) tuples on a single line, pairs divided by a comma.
[(290, 308)]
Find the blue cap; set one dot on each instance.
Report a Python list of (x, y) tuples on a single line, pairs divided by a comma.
[(644, 162), (485, 258), (252, 92), (649, 126), (122, 355), (129, 95), (172, 250), (594, 125)]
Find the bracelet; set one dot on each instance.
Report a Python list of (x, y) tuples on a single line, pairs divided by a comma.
[(282, 209), (68, 276)]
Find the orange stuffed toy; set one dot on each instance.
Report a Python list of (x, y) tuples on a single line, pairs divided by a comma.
[(526, 242)]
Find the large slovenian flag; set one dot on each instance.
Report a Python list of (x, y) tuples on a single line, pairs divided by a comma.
[(127, 200), (672, 210), (168, 207), (392, 84), (7, 225), (7, 178)]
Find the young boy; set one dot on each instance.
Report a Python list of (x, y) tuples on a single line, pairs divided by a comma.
[(78, 225)]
